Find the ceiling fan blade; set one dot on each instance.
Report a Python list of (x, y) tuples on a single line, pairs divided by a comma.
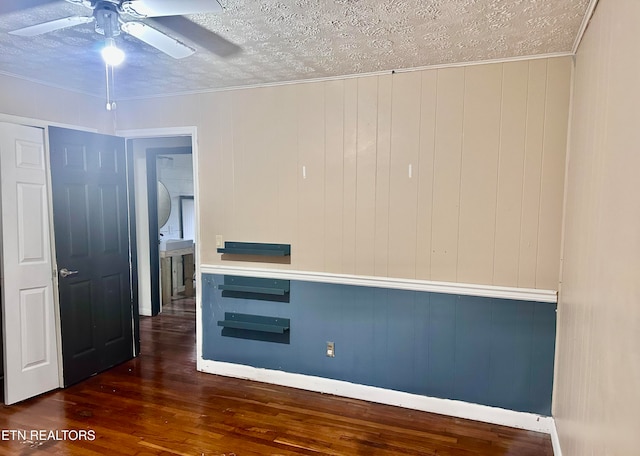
[(86, 3), (157, 39), (50, 26), (199, 35), (159, 8)]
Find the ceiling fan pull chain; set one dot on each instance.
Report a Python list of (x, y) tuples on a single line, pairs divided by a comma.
[(113, 87), (111, 105), (106, 74)]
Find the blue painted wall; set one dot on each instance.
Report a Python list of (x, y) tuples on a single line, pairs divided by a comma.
[(482, 350)]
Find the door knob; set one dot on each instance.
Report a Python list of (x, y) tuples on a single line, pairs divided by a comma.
[(64, 272)]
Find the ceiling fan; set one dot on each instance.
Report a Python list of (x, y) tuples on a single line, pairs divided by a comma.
[(107, 15)]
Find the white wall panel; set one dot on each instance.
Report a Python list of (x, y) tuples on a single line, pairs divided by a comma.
[(479, 173), (403, 174), (311, 177), (532, 172), (383, 162), (515, 81), (446, 174), (425, 172), (350, 171), (334, 175), (367, 147)]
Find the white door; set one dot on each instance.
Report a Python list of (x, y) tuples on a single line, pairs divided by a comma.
[(29, 329)]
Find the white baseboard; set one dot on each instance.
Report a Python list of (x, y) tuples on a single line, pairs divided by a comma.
[(555, 439), (145, 311), (459, 409)]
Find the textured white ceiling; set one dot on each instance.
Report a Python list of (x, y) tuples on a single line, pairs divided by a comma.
[(289, 40)]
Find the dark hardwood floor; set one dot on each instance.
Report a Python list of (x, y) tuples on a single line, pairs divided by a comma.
[(158, 404)]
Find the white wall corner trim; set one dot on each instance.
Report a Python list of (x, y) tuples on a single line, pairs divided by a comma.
[(465, 289), (555, 439), (583, 27), (458, 409)]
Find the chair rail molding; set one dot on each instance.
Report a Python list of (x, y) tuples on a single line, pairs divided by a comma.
[(464, 289)]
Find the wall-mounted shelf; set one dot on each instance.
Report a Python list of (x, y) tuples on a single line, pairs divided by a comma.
[(256, 248), (255, 327), (260, 288), (255, 323), (263, 290)]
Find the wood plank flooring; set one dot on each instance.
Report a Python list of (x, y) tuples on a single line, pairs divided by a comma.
[(158, 404)]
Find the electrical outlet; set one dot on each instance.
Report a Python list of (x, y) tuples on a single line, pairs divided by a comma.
[(331, 350), (218, 240)]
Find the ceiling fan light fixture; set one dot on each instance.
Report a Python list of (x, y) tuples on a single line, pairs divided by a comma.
[(111, 54)]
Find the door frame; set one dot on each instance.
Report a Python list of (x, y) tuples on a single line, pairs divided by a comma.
[(152, 155), (141, 214), (133, 251)]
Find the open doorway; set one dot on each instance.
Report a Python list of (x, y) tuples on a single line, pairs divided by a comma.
[(169, 180), (166, 228)]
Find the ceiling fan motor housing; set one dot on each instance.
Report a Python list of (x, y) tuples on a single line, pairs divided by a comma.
[(107, 18)]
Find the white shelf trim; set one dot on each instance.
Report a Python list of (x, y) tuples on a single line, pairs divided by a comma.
[(465, 289)]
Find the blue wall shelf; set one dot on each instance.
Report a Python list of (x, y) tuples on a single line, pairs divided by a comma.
[(255, 323), (263, 289), (255, 248), (255, 327)]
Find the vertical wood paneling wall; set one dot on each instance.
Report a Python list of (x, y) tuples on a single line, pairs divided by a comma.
[(452, 174), (597, 400), (489, 351)]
